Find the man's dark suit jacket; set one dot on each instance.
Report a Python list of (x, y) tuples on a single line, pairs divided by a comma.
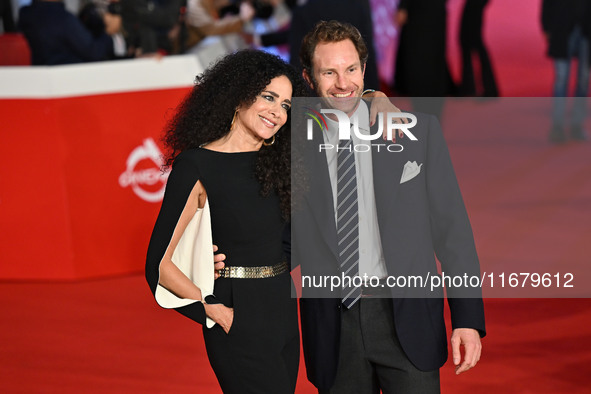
[(418, 218), (56, 36), (355, 12)]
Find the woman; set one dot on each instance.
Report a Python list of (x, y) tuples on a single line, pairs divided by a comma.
[(230, 144)]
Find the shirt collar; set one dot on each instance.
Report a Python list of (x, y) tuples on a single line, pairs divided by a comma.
[(362, 112)]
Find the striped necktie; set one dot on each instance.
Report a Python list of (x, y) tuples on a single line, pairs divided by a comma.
[(347, 220)]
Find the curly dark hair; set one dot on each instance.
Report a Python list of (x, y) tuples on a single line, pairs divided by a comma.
[(206, 113)]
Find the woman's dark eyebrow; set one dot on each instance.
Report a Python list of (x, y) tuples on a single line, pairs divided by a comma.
[(272, 93)]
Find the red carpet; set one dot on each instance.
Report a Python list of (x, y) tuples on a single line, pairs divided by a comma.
[(107, 336), (529, 202)]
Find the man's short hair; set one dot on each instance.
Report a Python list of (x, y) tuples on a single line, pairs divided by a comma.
[(332, 31)]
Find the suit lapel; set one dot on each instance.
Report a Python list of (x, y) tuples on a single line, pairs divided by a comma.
[(387, 171)]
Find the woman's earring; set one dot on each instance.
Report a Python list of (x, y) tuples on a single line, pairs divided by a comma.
[(233, 120), (269, 143)]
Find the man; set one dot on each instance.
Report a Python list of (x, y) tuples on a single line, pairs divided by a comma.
[(55, 36), (375, 338), (356, 12), (567, 27)]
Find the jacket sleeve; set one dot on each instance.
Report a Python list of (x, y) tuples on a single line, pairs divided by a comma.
[(86, 46), (453, 240), (182, 179)]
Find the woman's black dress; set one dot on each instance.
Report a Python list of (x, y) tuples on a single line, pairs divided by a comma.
[(260, 354)]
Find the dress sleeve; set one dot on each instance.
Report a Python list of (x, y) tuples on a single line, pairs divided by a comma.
[(182, 179)]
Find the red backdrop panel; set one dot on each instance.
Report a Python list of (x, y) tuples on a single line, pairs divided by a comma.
[(70, 207)]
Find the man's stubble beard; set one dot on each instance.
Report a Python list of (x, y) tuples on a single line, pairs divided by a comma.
[(328, 100)]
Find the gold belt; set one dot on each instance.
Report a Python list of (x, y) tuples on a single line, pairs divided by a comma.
[(267, 271)]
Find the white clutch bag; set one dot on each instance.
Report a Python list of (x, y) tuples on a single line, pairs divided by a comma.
[(194, 257)]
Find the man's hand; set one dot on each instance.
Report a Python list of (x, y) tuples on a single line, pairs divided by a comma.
[(218, 262), (384, 106), (470, 339)]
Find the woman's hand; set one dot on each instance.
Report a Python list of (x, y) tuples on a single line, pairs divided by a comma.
[(383, 105), (220, 314), (218, 262)]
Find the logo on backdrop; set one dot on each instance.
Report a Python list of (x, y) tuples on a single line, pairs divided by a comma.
[(143, 172)]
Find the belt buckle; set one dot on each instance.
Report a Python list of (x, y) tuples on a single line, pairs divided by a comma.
[(253, 272)]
